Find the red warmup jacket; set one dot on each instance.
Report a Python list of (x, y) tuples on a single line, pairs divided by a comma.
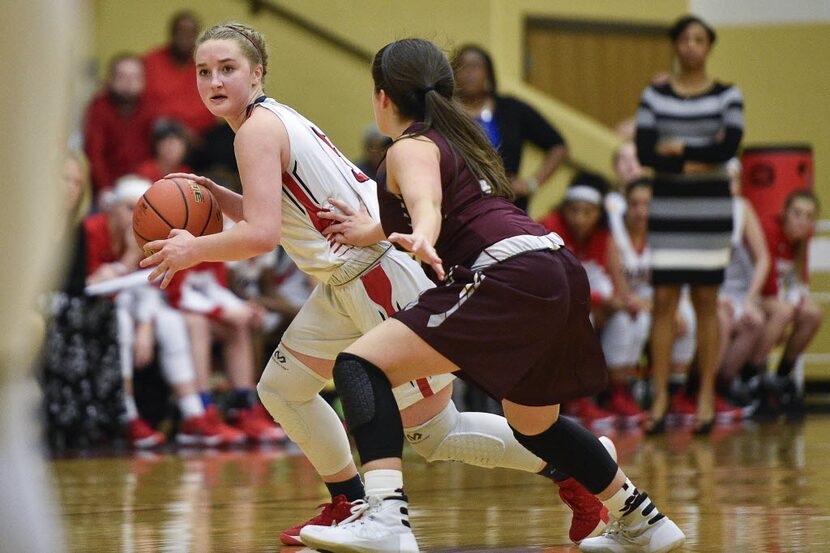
[(593, 254), (173, 88), (98, 247), (116, 143), (782, 256), (149, 169)]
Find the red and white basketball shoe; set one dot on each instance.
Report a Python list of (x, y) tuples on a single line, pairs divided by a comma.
[(258, 425), (144, 436), (332, 514), (590, 516), (207, 431)]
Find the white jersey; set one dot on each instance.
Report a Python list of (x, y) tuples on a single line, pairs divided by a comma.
[(636, 264), (316, 172)]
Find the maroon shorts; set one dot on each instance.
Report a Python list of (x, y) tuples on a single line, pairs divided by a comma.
[(519, 329)]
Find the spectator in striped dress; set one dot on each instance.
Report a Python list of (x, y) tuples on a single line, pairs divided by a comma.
[(687, 129)]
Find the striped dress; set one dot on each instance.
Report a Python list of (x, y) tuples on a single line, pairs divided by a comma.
[(690, 223)]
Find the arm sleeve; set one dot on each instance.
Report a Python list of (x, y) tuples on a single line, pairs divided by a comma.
[(718, 152), (536, 128), (770, 287), (732, 111), (646, 139)]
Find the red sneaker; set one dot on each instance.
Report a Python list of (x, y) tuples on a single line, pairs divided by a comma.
[(258, 425), (589, 413), (683, 408), (725, 412), (590, 516), (207, 431), (623, 404), (143, 436), (230, 434), (337, 511)]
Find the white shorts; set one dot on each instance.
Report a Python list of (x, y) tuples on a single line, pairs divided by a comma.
[(736, 302), (624, 338), (335, 316)]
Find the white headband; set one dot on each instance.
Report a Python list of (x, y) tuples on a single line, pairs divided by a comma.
[(583, 193), (130, 188)]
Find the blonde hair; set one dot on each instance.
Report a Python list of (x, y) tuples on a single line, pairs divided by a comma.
[(250, 41)]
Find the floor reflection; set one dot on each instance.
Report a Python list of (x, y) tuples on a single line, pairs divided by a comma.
[(745, 488)]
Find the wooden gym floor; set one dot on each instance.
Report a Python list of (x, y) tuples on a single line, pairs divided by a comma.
[(744, 489)]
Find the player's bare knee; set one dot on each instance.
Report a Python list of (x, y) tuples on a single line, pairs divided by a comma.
[(810, 315)]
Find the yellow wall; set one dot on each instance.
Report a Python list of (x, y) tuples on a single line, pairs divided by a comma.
[(591, 144), (329, 87), (333, 89), (784, 73)]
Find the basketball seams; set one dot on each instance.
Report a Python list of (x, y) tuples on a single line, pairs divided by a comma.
[(184, 199), (210, 214), (157, 212)]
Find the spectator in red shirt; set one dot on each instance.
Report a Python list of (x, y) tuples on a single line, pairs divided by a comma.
[(171, 76), (788, 239), (170, 147), (118, 123)]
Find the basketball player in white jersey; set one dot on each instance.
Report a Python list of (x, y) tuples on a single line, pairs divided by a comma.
[(291, 173)]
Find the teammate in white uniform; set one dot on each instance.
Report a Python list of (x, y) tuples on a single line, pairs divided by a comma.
[(291, 173), (626, 333)]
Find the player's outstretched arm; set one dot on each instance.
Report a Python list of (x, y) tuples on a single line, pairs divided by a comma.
[(414, 168)]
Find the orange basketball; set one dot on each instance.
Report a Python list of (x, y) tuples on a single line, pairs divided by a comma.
[(175, 203)]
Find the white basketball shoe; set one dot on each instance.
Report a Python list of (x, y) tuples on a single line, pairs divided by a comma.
[(645, 535), (377, 525)]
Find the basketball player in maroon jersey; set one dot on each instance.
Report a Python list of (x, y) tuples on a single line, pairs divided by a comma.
[(511, 314)]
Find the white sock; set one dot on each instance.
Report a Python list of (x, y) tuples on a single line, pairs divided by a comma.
[(191, 406), (130, 407), (632, 503), (383, 482)]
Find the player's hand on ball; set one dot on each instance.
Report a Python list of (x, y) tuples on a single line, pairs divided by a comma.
[(204, 181), (422, 249), (171, 255)]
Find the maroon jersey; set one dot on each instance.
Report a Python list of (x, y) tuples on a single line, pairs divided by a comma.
[(472, 218)]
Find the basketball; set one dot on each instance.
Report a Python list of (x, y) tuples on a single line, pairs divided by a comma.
[(175, 204)]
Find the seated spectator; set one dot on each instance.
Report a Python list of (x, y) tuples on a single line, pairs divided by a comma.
[(626, 332), (145, 323), (212, 311), (507, 122), (171, 77), (741, 317), (79, 370), (581, 222), (170, 146), (374, 150), (788, 239), (118, 123), (274, 282)]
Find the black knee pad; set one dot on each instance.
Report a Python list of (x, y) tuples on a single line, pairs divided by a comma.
[(370, 408), (575, 451)]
